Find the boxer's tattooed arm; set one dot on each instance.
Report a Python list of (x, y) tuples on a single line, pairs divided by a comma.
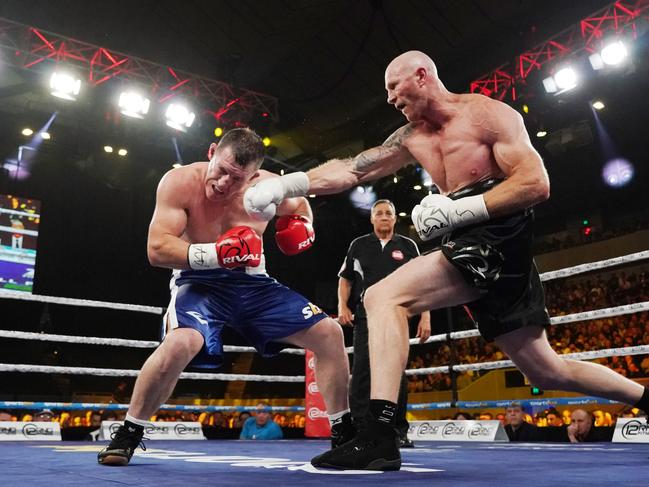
[(392, 147)]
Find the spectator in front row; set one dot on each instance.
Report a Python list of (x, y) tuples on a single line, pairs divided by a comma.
[(95, 423), (554, 418), (241, 420), (581, 428), (517, 428), (261, 426), (45, 415), (462, 416), (5, 416)]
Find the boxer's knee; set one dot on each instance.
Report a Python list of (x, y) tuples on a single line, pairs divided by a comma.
[(377, 297), (182, 344), (330, 337)]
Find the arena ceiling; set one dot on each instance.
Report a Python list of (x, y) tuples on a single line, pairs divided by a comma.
[(324, 60)]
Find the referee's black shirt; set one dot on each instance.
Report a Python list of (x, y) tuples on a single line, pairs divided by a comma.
[(371, 262)]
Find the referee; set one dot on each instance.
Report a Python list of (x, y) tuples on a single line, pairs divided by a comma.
[(369, 259)]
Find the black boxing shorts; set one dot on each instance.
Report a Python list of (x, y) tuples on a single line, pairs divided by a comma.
[(495, 257)]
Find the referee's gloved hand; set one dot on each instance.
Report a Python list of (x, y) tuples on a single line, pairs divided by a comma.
[(345, 316)]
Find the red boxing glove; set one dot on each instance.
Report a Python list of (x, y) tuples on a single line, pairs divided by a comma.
[(294, 234), (239, 246)]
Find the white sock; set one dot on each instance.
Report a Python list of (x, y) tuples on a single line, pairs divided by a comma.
[(141, 422), (336, 418)]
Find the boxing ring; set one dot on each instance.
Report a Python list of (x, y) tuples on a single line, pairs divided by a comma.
[(287, 461)]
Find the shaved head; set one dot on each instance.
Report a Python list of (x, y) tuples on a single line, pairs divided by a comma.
[(409, 62)]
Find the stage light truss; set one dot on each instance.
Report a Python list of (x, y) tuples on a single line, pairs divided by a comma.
[(32, 48), (509, 81)]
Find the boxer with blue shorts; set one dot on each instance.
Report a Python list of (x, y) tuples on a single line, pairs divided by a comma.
[(256, 306), (201, 231)]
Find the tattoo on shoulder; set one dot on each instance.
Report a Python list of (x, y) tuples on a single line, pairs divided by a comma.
[(399, 135), (365, 161)]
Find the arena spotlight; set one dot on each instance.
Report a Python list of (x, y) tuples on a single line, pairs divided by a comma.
[(617, 173), (403, 213), (45, 135), (133, 104), (564, 79), (179, 117), (363, 198), (613, 54), (266, 141), (27, 132), (108, 148), (541, 133), (176, 165), (64, 85), (122, 152), (416, 187), (598, 105), (218, 131)]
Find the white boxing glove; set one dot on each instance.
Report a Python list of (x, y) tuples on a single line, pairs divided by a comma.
[(437, 215), (260, 201)]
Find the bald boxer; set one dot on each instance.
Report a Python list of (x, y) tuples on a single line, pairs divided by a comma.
[(201, 231), (489, 177)]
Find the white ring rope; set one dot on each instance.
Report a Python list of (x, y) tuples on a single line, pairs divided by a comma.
[(592, 266), (55, 369), (546, 276), (574, 317), (624, 309), (556, 320), (80, 302), (501, 364)]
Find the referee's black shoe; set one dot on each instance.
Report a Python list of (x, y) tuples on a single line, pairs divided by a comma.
[(375, 448), (123, 443)]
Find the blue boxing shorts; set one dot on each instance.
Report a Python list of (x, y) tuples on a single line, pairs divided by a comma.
[(255, 305)]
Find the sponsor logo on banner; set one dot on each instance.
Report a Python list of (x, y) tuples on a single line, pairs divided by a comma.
[(161, 430), (317, 422), (33, 429), (315, 413), (426, 428), (452, 429), (457, 431), (183, 429), (479, 430), (631, 430), (29, 431), (397, 255)]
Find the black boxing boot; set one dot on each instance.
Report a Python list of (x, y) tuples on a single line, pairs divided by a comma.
[(375, 448), (123, 443), (342, 431)]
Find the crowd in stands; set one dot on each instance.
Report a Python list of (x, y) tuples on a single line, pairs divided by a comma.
[(562, 297), (542, 246)]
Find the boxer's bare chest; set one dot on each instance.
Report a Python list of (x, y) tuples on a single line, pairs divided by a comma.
[(207, 220), (455, 156)]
